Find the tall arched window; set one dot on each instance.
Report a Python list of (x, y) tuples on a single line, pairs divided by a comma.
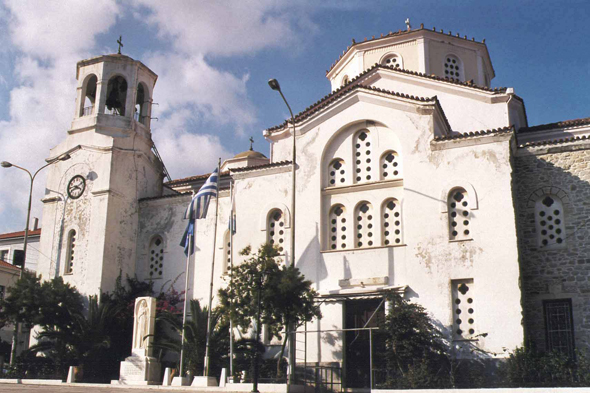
[(363, 216), (390, 168), (141, 104), (549, 222), (391, 220), (156, 256), (89, 96), (71, 252), (459, 215), (344, 80), (453, 67), (337, 233), (116, 96), (275, 229), (362, 156), (336, 173), (226, 251)]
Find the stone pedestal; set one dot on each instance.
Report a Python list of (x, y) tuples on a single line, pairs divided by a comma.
[(139, 370), (204, 381)]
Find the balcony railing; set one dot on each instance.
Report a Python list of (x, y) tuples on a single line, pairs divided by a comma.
[(113, 111)]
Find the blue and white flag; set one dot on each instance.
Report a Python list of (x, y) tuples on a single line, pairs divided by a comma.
[(197, 209), (200, 202)]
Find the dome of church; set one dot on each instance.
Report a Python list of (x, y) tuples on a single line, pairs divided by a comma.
[(250, 154)]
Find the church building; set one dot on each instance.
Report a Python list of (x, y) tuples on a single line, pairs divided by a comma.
[(413, 175)]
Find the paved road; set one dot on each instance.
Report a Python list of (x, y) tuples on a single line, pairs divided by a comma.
[(16, 388)]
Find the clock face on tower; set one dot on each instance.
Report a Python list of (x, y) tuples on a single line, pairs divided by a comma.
[(76, 187)]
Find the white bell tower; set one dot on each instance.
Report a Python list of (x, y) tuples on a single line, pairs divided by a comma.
[(90, 213)]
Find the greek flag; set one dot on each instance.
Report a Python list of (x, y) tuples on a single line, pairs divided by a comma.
[(197, 209)]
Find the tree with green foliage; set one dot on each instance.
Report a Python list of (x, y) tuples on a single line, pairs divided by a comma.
[(286, 296), (85, 340), (194, 338), (416, 353)]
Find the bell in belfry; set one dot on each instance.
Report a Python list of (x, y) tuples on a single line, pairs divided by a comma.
[(116, 96)]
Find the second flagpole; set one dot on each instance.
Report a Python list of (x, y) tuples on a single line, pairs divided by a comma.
[(208, 339)]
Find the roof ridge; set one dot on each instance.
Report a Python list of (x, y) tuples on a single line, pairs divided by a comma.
[(563, 123), (502, 130), (397, 33), (555, 141), (338, 93), (195, 177), (261, 166)]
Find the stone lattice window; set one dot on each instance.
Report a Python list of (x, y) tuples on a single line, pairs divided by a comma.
[(463, 309), (337, 233), (392, 222), (362, 153), (364, 225), (276, 229), (71, 254), (549, 222), (226, 251), (392, 61), (337, 173), (459, 215), (156, 255), (390, 165), (453, 67)]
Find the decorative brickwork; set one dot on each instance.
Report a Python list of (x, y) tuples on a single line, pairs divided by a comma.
[(549, 273)]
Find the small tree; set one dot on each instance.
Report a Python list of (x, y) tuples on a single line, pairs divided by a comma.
[(286, 296), (416, 353)]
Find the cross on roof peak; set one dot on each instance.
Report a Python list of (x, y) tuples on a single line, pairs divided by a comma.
[(120, 42)]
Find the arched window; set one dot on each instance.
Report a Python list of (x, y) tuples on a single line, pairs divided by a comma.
[(390, 168), (275, 229), (392, 222), (453, 68), (392, 60), (459, 215), (116, 96), (71, 254), (141, 112), (336, 173), (364, 225), (156, 256), (89, 96), (337, 228), (344, 80), (362, 155), (549, 222)]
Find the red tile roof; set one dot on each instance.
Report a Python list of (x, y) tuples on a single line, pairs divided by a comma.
[(341, 92), (503, 130), (8, 265), (11, 235), (191, 179), (559, 124), (555, 141), (263, 166), (399, 33)]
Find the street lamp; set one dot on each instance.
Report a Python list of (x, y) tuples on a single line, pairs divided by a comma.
[(274, 84), (6, 164)]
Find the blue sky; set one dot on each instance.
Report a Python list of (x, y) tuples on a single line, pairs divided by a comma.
[(214, 59)]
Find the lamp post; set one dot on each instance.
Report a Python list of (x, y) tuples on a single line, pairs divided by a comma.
[(6, 164), (274, 84)]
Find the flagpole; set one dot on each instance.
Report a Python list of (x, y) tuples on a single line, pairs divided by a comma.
[(231, 267), (206, 365), (186, 301)]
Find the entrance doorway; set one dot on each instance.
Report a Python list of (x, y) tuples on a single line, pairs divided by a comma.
[(357, 361)]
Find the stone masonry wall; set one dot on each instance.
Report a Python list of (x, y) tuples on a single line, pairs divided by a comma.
[(559, 273)]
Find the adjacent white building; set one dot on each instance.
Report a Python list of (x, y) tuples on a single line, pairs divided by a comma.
[(406, 182)]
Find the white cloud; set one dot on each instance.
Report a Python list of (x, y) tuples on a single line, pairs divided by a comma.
[(229, 27)]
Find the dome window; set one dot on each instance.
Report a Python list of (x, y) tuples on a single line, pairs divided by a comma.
[(453, 68), (392, 60)]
